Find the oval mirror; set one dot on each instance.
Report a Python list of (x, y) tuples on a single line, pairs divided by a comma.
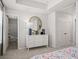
[(36, 23)]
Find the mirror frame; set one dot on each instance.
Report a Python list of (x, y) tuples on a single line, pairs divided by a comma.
[(40, 26)]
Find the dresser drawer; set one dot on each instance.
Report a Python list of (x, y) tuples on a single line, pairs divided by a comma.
[(37, 40)]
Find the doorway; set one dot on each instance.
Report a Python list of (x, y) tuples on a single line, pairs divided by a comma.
[(12, 33)]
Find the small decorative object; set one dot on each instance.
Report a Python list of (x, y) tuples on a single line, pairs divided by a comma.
[(37, 32), (43, 30), (30, 31), (41, 33)]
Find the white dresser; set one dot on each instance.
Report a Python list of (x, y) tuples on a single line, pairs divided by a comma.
[(36, 41)]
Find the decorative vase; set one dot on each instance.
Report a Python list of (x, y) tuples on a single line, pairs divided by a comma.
[(30, 31)]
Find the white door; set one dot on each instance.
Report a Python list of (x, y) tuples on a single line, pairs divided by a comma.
[(64, 30)]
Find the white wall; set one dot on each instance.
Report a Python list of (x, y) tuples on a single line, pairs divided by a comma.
[(75, 24), (0, 26), (74, 28), (51, 29), (5, 33), (22, 17)]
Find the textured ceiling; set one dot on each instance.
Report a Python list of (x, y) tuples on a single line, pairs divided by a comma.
[(33, 3), (44, 1), (38, 6)]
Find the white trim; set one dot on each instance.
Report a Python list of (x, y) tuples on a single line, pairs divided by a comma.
[(18, 31)]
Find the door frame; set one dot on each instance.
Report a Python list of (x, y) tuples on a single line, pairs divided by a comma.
[(17, 27)]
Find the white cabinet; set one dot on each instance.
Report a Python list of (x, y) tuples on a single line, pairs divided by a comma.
[(36, 41)]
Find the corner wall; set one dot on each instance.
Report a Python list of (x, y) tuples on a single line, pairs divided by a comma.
[(5, 32), (51, 29)]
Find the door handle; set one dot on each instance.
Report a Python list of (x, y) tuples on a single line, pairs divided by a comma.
[(65, 33)]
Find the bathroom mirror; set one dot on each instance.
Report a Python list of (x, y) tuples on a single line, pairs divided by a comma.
[(36, 23)]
